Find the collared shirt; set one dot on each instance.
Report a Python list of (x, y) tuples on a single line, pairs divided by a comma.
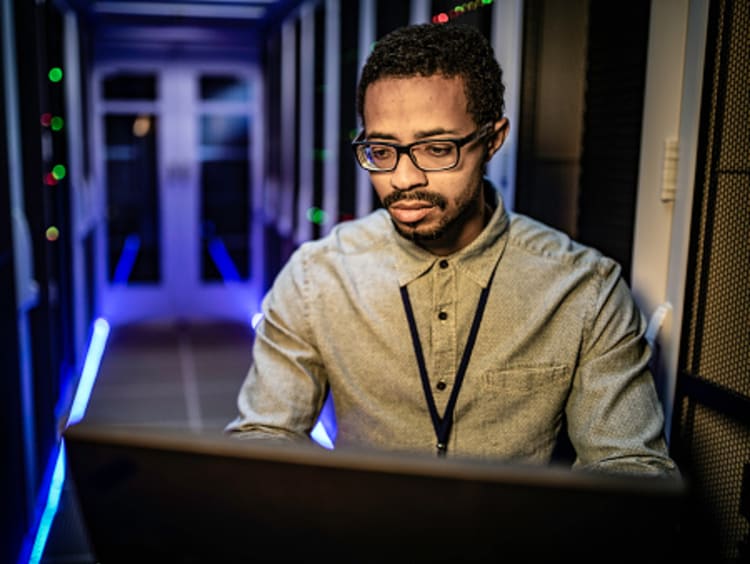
[(561, 339)]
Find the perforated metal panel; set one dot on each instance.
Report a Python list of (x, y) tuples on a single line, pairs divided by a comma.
[(718, 451), (721, 295), (714, 409)]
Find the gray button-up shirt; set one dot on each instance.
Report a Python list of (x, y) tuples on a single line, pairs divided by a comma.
[(561, 336)]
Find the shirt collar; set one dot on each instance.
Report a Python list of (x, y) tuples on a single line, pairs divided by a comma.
[(477, 259)]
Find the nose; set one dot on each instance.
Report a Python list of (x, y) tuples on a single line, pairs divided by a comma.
[(406, 175)]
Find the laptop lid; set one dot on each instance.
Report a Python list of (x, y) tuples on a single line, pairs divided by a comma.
[(148, 494)]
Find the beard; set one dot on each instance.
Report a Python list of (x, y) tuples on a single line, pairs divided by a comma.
[(465, 206)]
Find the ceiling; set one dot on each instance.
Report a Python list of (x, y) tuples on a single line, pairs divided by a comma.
[(178, 28), (261, 13)]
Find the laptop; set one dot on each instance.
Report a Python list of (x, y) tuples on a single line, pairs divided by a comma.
[(154, 494)]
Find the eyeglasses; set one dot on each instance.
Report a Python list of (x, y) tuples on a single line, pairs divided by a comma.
[(429, 155)]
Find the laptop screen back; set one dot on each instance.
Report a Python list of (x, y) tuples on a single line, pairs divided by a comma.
[(147, 494)]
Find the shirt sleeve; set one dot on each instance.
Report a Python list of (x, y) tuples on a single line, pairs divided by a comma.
[(615, 419), (285, 386)]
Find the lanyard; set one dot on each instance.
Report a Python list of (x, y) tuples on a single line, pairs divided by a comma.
[(442, 425)]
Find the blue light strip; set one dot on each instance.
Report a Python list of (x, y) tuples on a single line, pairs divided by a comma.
[(90, 371), (223, 261), (50, 508), (127, 259), (80, 403)]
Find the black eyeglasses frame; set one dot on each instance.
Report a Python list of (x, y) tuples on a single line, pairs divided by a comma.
[(477, 134)]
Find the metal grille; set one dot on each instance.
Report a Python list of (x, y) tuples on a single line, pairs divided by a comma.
[(715, 441), (719, 447), (719, 336), (725, 303)]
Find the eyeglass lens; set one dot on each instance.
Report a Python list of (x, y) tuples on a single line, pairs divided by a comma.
[(427, 155)]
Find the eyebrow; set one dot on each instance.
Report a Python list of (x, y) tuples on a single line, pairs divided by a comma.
[(418, 135)]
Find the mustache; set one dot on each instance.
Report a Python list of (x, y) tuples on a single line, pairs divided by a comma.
[(420, 195)]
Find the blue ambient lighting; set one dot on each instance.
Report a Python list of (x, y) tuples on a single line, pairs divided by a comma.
[(50, 508), (80, 402), (127, 259), (90, 371), (223, 261), (325, 430), (320, 436)]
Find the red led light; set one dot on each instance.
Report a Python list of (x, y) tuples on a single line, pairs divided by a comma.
[(460, 10), (50, 179), (45, 119)]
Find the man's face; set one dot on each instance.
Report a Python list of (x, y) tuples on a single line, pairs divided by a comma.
[(443, 211)]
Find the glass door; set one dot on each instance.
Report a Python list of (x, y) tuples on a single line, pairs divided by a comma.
[(178, 240)]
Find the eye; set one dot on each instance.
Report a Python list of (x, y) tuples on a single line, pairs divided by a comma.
[(437, 149), (380, 152)]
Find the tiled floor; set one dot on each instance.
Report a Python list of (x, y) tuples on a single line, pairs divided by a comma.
[(177, 376)]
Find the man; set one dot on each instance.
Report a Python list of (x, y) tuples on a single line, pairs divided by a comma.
[(442, 322)]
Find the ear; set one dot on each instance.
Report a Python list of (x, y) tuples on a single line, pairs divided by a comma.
[(500, 132)]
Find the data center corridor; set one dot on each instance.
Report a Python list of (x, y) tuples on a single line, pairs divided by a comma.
[(161, 375)]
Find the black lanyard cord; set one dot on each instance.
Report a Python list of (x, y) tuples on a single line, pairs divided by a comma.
[(442, 425)]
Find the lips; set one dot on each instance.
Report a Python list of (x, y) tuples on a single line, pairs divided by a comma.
[(410, 212)]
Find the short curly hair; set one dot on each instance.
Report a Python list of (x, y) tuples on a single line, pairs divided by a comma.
[(440, 49)]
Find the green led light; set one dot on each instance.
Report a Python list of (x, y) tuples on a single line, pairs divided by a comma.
[(56, 123), (55, 74), (316, 216), (58, 171), (52, 233)]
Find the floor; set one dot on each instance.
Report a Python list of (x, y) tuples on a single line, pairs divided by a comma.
[(177, 376)]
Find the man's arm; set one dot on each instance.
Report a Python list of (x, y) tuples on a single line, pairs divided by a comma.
[(284, 389), (615, 420)]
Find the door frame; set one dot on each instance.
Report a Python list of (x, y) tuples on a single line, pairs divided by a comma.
[(172, 300)]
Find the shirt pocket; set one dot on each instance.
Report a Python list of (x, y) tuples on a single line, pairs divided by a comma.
[(525, 393), (522, 380), (518, 410)]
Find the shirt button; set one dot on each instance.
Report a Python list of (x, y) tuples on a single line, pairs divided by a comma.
[(442, 315), (441, 385), (443, 264)]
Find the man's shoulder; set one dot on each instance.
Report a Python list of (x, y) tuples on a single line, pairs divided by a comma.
[(353, 237), (548, 244)]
